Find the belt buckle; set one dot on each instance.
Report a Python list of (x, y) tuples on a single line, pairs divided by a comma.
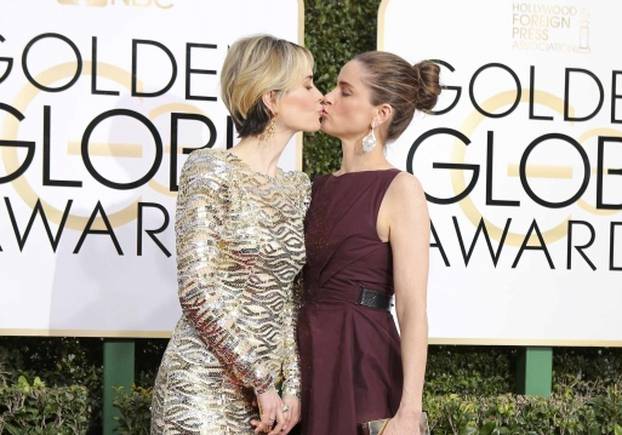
[(373, 299)]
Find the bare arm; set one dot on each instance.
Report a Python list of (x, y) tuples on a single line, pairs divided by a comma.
[(409, 229)]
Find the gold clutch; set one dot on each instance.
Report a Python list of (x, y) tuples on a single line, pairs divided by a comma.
[(376, 427)]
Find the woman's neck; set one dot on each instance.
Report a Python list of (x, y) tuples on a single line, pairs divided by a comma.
[(355, 159), (262, 155)]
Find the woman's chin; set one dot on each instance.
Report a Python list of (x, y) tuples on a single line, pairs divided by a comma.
[(325, 126), (316, 127)]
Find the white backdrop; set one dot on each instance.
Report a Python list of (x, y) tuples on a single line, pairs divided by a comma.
[(486, 47), (105, 285)]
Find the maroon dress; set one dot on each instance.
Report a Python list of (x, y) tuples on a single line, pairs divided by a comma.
[(349, 353)]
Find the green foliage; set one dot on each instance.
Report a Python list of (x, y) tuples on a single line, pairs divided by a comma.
[(148, 356), (58, 362), (135, 415), (34, 408), (583, 370), (485, 371), (515, 414), (335, 31), (466, 414)]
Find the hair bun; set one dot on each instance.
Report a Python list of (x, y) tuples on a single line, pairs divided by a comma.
[(427, 76)]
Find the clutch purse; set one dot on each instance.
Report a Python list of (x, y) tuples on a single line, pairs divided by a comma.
[(376, 427)]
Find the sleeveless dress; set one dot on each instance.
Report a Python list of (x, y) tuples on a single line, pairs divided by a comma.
[(349, 353), (239, 246)]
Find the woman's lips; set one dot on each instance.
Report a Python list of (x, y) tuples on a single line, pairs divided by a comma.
[(322, 114)]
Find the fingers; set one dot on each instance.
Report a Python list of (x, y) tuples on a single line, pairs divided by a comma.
[(294, 415), (267, 419), (291, 422), (259, 426), (280, 421), (268, 415), (264, 425), (287, 418)]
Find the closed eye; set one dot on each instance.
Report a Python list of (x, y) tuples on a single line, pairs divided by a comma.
[(345, 88)]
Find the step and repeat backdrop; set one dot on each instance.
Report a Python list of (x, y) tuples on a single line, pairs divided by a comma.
[(101, 101), (521, 164)]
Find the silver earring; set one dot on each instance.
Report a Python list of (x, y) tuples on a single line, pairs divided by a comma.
[(369, 141)]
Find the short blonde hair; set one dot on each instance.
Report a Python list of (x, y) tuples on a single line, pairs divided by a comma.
[(254, 66)]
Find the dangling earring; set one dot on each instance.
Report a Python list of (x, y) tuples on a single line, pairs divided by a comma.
[(269, 130), (369, 141)]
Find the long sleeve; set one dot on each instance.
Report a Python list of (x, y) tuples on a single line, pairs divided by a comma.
[(291, 365), (202, 257)]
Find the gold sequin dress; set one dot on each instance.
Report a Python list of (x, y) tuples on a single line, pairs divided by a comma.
[(240, 245)]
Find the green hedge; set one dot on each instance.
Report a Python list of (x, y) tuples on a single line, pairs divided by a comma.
[(33, 408), (133, 405), (66, 376), (467, 389), (468, 392), (335, 31), (516, 414), (562, 413)]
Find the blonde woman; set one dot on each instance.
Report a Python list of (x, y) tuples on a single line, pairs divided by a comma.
[(231, 366)]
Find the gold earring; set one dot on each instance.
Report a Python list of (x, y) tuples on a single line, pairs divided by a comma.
[(269, 130)]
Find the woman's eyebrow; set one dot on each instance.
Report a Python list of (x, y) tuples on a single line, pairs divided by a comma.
[(344, 83)]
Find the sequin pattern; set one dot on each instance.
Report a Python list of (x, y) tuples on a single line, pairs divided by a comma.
[(240, 246)]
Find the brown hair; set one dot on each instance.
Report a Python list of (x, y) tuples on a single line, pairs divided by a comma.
[(405, 87), (254, 66)]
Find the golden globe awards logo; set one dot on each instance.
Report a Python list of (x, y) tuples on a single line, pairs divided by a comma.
[(522, 167), (528, 102), (85, 73), (101, 101)]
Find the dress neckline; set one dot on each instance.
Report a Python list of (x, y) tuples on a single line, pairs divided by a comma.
[(247, 168), (362, 172)]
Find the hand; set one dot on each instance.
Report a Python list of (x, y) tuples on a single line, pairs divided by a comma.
[(270, 410), (400, 424), (292, 415)]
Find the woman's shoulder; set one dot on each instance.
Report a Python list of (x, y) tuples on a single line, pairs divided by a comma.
[(405, 186), (407, 207), (298, 179), (300, 186), (207, 165), (208, 158)]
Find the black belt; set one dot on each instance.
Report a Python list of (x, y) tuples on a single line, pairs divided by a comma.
[(374, 299)]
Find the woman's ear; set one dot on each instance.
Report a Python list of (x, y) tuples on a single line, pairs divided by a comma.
[(383, 114), (269, 100)]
